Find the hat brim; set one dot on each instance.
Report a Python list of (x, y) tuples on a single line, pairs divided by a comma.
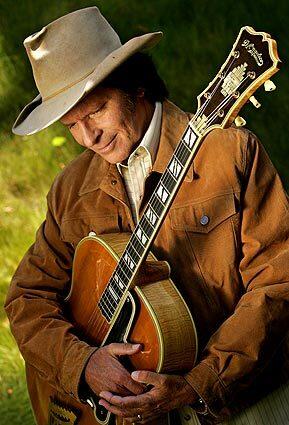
[(39, 114)]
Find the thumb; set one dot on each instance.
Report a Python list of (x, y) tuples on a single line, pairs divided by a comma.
[(147, 377), (122, 349)]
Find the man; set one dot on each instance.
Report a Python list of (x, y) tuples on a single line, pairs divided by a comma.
[(226, 235)]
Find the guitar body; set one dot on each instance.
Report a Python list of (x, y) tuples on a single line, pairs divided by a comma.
[(153, 314)]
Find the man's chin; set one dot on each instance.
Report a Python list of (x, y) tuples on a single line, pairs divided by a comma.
[(113, 157)]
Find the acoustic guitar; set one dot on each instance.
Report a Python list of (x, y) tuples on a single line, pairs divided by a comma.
[(111, 298)]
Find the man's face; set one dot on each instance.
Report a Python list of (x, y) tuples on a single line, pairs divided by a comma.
[(109, 123)]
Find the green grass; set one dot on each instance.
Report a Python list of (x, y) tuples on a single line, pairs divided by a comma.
[(198, 37), (27, 169)]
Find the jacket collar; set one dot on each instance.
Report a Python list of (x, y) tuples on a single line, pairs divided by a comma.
[(174, 123)]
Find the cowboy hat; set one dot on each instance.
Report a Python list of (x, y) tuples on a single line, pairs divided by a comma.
[(69, 57)]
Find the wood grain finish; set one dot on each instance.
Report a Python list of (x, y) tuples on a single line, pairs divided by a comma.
[(162, 322)]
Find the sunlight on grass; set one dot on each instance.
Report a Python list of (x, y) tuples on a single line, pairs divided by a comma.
[(14, 403), (27, 169)]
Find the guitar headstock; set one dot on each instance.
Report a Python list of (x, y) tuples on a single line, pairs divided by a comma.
[(251, 62)]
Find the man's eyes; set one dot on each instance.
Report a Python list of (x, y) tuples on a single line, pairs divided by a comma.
[(92, 115)]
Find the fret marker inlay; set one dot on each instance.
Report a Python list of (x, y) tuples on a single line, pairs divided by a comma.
[(151, 216), (175, 168), (129, 261), (190, 137), (118, 281), (141, 236), (162, 193)]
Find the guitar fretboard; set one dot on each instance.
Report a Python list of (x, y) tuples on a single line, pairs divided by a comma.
[(149, 224), (252, 60)]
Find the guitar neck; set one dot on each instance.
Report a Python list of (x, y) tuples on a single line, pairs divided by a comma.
[(251, 62), (150, 222)]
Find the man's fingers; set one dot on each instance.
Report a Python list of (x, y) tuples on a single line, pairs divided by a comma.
[(122, 349), (147, 377), (113, 409), (129, 402), (133, 386)]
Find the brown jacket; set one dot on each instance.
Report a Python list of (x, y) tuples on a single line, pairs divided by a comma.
[(232, 270)]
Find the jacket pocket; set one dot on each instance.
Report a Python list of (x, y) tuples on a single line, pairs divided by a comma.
[(203, 216), (210, 228), (72, 230)]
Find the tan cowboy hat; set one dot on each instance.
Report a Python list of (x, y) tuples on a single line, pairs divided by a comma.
[(69, 57)]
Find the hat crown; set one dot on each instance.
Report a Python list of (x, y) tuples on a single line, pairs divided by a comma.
[(68, 49)]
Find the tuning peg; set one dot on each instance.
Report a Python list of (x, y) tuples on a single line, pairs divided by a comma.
[(255, 102), (269, 85), (239, 121)]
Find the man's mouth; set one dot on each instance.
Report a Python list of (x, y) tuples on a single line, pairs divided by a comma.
[(107, 147)]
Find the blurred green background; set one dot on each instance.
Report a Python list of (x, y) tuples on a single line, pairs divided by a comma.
[(198, 37)]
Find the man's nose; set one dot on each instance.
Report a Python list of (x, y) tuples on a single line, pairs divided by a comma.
[(90, 133)]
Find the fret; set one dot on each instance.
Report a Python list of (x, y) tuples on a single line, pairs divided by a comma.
[(170, 173), (175, 167), (136, 243), (111, 300), (105, 309), (108, 316), (124, 268), (115, 296), (151, 215), (133, 252), (105, 305), (162, 193), (189, 137), (157, 205), (181, 162), (142, 236), (121, 274), (129, 261), (146, 226), (183, 152), (168, 182), (118, 281), (115, 287), (185, 146)]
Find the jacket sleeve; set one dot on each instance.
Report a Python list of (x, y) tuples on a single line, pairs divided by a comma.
[(243, 345), (35, 308)]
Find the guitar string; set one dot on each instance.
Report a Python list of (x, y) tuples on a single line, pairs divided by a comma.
[(224, 102), (180, 147), (106, 298), (146, 229), (200, 110)]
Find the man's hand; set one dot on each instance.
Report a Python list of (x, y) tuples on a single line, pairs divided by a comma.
[(104, 372), (168, 392)]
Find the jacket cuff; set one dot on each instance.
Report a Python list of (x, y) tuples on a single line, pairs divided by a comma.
[(73, 369), (210, 388)]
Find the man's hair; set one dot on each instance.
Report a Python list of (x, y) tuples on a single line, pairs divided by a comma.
[(138, 72)]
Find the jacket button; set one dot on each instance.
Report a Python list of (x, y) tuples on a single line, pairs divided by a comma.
[(113, 182), (204, 220)]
